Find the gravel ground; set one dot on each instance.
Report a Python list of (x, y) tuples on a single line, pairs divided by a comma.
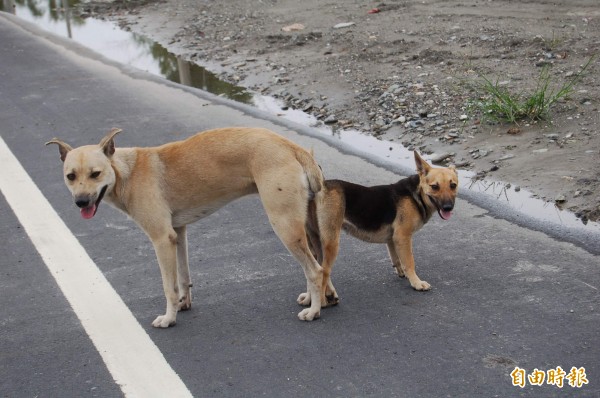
[(410, 72)]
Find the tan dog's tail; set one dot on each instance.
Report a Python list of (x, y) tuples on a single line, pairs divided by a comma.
[(312, 170), (316, 184)]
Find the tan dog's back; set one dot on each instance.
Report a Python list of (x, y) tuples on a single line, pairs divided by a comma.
[(231, 166)]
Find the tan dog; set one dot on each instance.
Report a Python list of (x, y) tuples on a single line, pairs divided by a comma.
[(388, 214), (167, 187)]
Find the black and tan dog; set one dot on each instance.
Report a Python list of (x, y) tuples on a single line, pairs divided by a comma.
[(388, 214)]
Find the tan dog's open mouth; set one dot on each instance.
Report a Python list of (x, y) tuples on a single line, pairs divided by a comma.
[(90, 211)]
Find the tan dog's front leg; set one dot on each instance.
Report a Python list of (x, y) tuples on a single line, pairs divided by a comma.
[(403, 246), (166, 253), (183, 270)]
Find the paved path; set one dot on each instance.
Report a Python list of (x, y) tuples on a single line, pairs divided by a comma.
[(503, 296)]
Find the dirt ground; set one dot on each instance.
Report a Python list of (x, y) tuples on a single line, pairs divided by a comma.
[(404, 71)]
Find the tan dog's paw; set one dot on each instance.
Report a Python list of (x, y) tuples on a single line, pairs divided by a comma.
[(421, 286), (304, 299), (162, 321), (308, 315)]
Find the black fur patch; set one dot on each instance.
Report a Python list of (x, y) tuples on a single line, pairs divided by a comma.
[(370, 208)]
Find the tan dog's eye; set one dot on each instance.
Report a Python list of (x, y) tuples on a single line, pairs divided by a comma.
[(435, 187), (452, 185), (95, 174), (71, 176)]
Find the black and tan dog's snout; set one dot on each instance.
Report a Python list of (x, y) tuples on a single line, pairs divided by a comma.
[(447, 206), (444, 206)]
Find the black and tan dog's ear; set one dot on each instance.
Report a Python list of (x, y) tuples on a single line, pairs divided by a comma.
[(63, 147), (453, 168), (108, 143), (422, 166)]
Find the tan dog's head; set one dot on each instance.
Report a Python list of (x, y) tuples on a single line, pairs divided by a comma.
[(88, 172), (439, 184)]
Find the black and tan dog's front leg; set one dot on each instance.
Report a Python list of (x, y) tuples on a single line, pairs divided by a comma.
[(401, 254), (165, 246), (395, 259)]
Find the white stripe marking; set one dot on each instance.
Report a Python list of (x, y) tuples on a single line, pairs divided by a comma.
[(132, 358)]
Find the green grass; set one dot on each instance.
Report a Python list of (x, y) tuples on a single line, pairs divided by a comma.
[(497, 104)]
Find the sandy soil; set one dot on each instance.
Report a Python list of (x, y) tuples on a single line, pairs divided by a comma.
[(404, 71)]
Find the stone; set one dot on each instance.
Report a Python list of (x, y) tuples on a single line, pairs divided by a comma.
[(437, 159), (343, 25), (331, 119)]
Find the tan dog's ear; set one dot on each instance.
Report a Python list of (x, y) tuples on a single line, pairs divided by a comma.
[(107, 143), (422, 166), (63, 147)]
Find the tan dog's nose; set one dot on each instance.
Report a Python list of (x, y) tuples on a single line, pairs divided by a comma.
[(82, 202)]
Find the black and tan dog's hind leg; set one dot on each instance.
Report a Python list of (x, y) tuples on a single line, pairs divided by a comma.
[(184, 281)]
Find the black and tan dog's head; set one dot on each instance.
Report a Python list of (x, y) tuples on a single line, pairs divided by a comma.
[(88, 171), (439, 185)]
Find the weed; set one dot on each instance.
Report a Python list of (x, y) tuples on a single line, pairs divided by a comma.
[(498, 104), (552, 43)]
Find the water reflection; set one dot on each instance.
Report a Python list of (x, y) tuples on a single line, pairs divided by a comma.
[(124, 47), (8, 6)]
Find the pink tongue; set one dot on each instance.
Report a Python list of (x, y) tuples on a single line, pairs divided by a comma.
[(445, 214), (88, 212)]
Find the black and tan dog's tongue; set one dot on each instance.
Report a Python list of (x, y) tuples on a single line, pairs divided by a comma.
[(445, 214)]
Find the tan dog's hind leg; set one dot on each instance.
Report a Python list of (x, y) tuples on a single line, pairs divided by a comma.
[(328, 295), (298, 246), (403, 246), (330, 217), (183, 270), (287, 212)]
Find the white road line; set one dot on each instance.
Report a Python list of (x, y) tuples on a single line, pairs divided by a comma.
[(132, 358)]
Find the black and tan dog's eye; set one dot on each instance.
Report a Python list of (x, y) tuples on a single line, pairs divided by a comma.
[(435, 187), (95, 174), (71, 176), (452, 185)]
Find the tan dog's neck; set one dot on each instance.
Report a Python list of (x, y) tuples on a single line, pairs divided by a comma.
[(123, 163)]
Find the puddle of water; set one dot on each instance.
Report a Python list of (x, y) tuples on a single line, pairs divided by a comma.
[(118, 45), (135, 50)]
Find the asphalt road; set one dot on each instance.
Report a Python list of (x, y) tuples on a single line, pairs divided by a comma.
[(503, 295)]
